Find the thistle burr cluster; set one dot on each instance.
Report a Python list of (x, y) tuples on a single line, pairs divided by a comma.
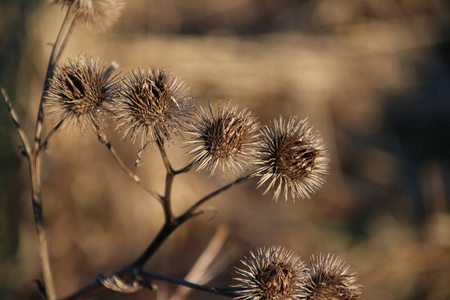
[(152, 104), (276, 273)]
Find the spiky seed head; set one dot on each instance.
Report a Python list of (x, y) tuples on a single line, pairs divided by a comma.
[(224, 138), (81, 91), (273, 273), (292, 157), (153, 103), (332, 279), (97, 15)]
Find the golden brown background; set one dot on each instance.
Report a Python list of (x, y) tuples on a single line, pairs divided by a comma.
[(373, 76)]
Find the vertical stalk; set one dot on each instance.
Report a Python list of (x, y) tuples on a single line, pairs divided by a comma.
[(35, 177), (34, 159), (167, 202)]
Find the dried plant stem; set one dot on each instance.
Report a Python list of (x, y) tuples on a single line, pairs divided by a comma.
[(163, 234), (133, 274), (167, 206), (35, 177), (34, 156), (185, 169), (104, 140), (16, 120), (49, 136), (172, 224), (164, 157), (34, 162), (192, 210), (168, 228), (64, 42), (228, 292), (57, 49)]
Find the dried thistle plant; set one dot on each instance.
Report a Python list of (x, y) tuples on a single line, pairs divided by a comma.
[(81, 91), (273, 273), (292, 158), (150, 103), (332, 279), (224, 138), (154, 103), (97, 15)]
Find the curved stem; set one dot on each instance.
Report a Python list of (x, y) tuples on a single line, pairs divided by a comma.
[(163, 234), (224, 291), (64, 43), (54, 56), (16, 120), (104, 140), (184, 169), (168, 228), (191, 211), (167, 206), (131, 274), (35, 177), (49, 136)]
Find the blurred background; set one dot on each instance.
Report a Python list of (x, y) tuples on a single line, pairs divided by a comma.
[(372, 76)]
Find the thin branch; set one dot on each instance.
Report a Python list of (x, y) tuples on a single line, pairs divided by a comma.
[(191, 211), (104, 140), (130, 274), (163, 234), (55, 54), (168, 228), (64, 43), (164, 156), (224, 291), (184, 170), (49, 136), (96, 287), (35, 176), (167, 202), (15, 118)]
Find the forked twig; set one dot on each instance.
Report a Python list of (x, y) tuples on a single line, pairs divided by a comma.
[(34, 164), (168, 228), (15, 118), (49, 136)]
